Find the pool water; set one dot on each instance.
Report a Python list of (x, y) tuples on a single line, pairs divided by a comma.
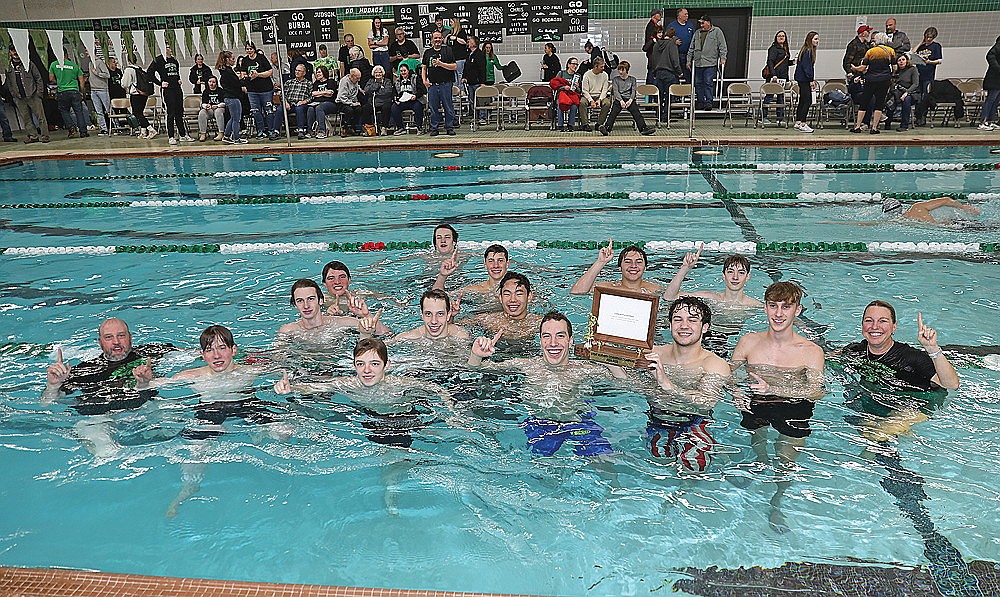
[(476, 510)]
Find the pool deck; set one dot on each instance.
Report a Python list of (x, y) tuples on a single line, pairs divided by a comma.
[(44, 582), (709, 131)]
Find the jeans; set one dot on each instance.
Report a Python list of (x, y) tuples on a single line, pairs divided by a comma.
[(261, 106), (5, 123), (774, 99), (319, 114), (573, 109), (382, 58), (989, 113), (235, 108), (399, 108), (28, 107), (71, 100), (439, 97), (220, 119), (905, 108), (704, 85), (102, 105), (459, 71), (663, 79), (633, 109), (301, 117)]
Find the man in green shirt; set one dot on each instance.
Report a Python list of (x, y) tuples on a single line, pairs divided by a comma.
[(69, 81)]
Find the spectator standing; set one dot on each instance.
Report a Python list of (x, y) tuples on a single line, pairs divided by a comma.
[(213, 104), (200, 74), (932, 54), (708, 52), (877, 69), (853, 56), (325, 60), (360, 62), (779, 58), (401, 49), (897, 40), (596, 94), (100, 93), (550, 63), (492, 63), (256, 74), (684, 30), (324, 95), (165, 72), (991, 83), (68, 78), (474, 74), (277, 73), (438, 67), (25, 84), (458, 41), (344, 55), (649, 38), (378, 43), (231, 82), (115, 89), (805, 76), (138, 99), (666, 63)]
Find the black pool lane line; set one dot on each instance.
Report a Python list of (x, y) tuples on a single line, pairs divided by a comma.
[(948, 568)]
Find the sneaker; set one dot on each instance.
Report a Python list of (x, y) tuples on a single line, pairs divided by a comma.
[(92, 127), (857, 129), (874, 132), (187, 138), (321, 134), (343, 133), (400, 132), (84, 134), (649, 131), (262, 135), (242, 140), (603, 129), (228, 140), (173, 140), (272, 136), (586, 127), (152, 133), (450, 132), (986, 126), (434, 133), (45, 138), (302, 135), (902, 129), (202, 137), (72, 134), (805, 128), (220, 137), (31, 139), (765, 122), (483, 122)]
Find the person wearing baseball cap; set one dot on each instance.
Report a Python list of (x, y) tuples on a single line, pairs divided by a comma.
[(856, 50)]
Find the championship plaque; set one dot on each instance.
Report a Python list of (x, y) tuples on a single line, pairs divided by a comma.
[(621, 327)]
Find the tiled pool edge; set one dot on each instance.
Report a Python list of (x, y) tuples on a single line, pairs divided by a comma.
[(47, 582)]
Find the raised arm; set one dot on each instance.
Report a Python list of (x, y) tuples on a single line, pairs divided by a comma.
[(55, 376), (448, 267), (586, 282), (945, 374), (483, 347), (673, 289)]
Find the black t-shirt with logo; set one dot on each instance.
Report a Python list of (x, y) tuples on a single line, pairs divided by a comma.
[(901, 368), (213, 98), (257, 65), (438, 74), (106, 386)]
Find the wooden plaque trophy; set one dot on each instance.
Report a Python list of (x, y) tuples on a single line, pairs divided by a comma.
[(621, 327)]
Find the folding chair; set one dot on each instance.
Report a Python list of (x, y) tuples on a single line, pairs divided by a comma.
[(778, 91), (514, 102), (739, 100), (680, 99), (121, 117), (843, 112), (649, 100), (486, 100)]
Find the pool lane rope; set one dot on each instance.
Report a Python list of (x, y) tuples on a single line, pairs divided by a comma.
[(654, 167), (661, 246), (875, 198)]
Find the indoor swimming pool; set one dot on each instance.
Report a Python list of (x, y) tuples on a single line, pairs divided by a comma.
[(172, 245)]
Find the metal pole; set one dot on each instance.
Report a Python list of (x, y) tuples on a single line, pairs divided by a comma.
[(691, 101), (277, 50)]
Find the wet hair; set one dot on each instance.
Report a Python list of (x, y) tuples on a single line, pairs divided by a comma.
[(694, 305), (336, 265), (366, 344), (496, 249), (454, 233), (885, 305), (555, 316), (305, 283), (633, 249), (435, 293), (216, 332), (520, 279), (737, 260), (783, 292)]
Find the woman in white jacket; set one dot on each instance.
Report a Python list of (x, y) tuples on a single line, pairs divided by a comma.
[(138, 100)]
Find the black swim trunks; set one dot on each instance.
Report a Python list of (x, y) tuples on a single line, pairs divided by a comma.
[(788, 416), (393, 429), (251, 410)]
